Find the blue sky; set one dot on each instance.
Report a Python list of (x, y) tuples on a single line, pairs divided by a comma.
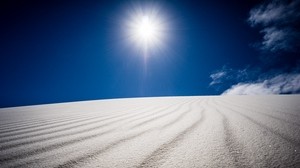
[(60, 51)]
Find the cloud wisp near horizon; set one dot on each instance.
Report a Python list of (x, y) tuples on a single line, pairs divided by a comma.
[(280, 84), (278, 71)]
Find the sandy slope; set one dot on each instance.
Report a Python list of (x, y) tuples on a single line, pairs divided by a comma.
[(228, 131)]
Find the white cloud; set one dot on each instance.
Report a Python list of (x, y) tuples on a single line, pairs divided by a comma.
[(216, 77), (265, 14), (277, 20), (280, 84), (275, 12), (227, 75), (275, 39)]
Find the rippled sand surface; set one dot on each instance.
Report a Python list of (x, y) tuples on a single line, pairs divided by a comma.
[(204, 131)]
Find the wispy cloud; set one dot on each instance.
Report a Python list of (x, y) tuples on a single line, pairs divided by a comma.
[(276, 12), (280, 84), (275, 39), (278, 20), (230, 75), (217, 77)]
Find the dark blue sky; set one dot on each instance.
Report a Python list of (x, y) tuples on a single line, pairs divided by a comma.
[(60, 51)]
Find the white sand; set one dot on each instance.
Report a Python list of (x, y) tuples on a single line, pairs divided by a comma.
[(226, 131)]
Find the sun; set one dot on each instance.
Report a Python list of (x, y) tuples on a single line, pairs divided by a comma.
[(146, 29)]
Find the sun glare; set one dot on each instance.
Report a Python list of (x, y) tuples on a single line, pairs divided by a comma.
[(146, 29)]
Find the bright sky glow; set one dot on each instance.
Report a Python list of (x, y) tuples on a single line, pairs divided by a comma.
[(146, 29)]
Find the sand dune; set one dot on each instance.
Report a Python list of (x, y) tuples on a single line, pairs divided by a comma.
[(212, 131)]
